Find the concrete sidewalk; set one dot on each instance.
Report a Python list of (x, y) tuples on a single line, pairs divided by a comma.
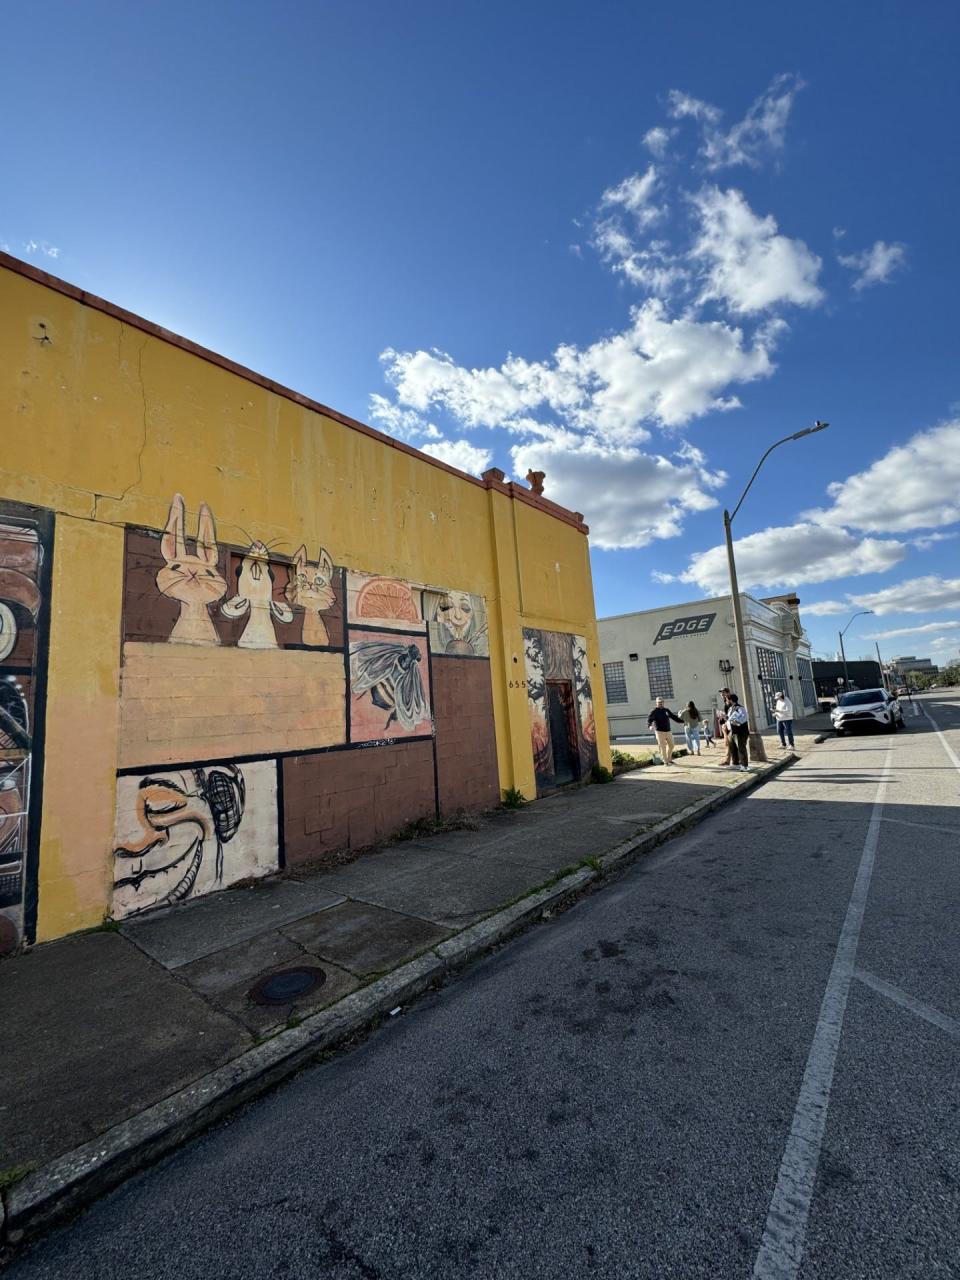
[(103, 1027)]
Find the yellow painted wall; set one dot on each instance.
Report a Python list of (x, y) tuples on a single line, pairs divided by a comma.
[(102, 423)]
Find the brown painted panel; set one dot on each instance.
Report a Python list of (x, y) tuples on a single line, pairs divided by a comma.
[(339, 800), (181, 702), (466, 740)]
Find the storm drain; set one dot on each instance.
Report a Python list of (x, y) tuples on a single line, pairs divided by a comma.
[(287, 985)]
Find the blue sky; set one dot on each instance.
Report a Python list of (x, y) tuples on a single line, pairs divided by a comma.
[(629, 247)]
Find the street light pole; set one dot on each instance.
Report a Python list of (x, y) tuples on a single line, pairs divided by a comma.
[(757, 751), (843, 656)]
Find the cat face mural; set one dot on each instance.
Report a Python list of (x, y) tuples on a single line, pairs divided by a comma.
[(311, 589)]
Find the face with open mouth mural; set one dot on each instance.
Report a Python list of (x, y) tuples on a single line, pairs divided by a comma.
[(171, 828)]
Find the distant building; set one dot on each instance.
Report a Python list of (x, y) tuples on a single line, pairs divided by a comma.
[(830, 679), (910, 663), (689, 651)]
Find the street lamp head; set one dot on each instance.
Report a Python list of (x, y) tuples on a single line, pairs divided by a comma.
[(809, 431)]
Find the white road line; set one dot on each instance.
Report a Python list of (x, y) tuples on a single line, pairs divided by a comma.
[(922, 826), (950, 1025), (781, 1250), (943, 742), (916, 708)]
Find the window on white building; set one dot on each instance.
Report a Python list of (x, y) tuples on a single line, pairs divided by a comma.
[(661, 681), (807, 687), (615, 681)]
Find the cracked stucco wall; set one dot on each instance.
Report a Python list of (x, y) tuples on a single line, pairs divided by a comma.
[(101, 423)]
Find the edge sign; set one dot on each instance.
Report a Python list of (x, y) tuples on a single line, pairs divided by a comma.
[(694, 626)]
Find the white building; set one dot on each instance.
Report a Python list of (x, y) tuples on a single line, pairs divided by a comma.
[(689, 651)]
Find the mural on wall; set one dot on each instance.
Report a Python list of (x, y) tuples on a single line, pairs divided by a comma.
[(560, 701), (23, 558), (181, 833), (387, 681), (193, 579), (311, 589), (458, 623), (255, 601), (273, 659), (584, 691), (536, 705), (384, 603)]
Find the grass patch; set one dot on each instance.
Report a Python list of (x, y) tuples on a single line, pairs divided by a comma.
[(15, 1173), (431, 826), (600, 774), (513, 799)]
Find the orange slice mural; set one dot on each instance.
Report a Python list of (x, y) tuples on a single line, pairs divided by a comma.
[(384, 598)]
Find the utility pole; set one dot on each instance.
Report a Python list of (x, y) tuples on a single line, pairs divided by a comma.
[(757, 751), (883, 674)]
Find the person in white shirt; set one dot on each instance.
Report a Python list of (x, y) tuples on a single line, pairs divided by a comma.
[(783, 714)]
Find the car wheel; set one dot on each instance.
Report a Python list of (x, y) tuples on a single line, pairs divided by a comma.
[(840, 732)]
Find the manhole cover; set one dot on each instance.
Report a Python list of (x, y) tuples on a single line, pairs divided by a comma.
[(287, 985)]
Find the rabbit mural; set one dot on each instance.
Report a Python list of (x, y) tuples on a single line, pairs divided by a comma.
[(311, 588), (192, 579), (255, 597)]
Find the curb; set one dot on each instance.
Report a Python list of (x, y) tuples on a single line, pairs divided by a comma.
[(74, 1180)]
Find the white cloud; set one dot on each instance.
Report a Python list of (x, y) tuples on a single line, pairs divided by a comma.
[(925, 629), (628, 497), (825, 608), (931, 539), (875, 265), (747, 264), (658, 370), (41, 246), (657, 140), (791, 555), (759, 134), (460, 453), (405, 424), (914, 486), (916, 595), (929, 594), (636, 194), (683, 106)]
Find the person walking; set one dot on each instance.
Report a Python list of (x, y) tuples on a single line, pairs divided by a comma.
[(739, 734), (692, 723), (783, 714), (660, 718)]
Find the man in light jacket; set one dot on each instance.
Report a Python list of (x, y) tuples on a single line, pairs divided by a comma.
[(660, 718), (783, 714)]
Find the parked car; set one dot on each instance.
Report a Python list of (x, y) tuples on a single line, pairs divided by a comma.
[(866, 707)]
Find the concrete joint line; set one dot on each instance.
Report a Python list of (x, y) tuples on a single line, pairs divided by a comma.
[(937, 1019), (784, 1235), (954, 758), (74, 1180)]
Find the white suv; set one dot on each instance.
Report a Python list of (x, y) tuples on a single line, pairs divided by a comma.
[(864, 707)]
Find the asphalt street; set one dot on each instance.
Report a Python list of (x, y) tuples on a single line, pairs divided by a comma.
[(740, 1059)]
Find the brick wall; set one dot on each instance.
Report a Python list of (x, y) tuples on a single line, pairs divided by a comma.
[(350, 799), (466, 742)]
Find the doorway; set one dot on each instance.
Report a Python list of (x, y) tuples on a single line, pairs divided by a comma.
[(562, 720)]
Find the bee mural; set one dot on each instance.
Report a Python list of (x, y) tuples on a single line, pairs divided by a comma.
[(389, 671)]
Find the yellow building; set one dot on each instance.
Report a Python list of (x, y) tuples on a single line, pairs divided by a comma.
[(239, 630)]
